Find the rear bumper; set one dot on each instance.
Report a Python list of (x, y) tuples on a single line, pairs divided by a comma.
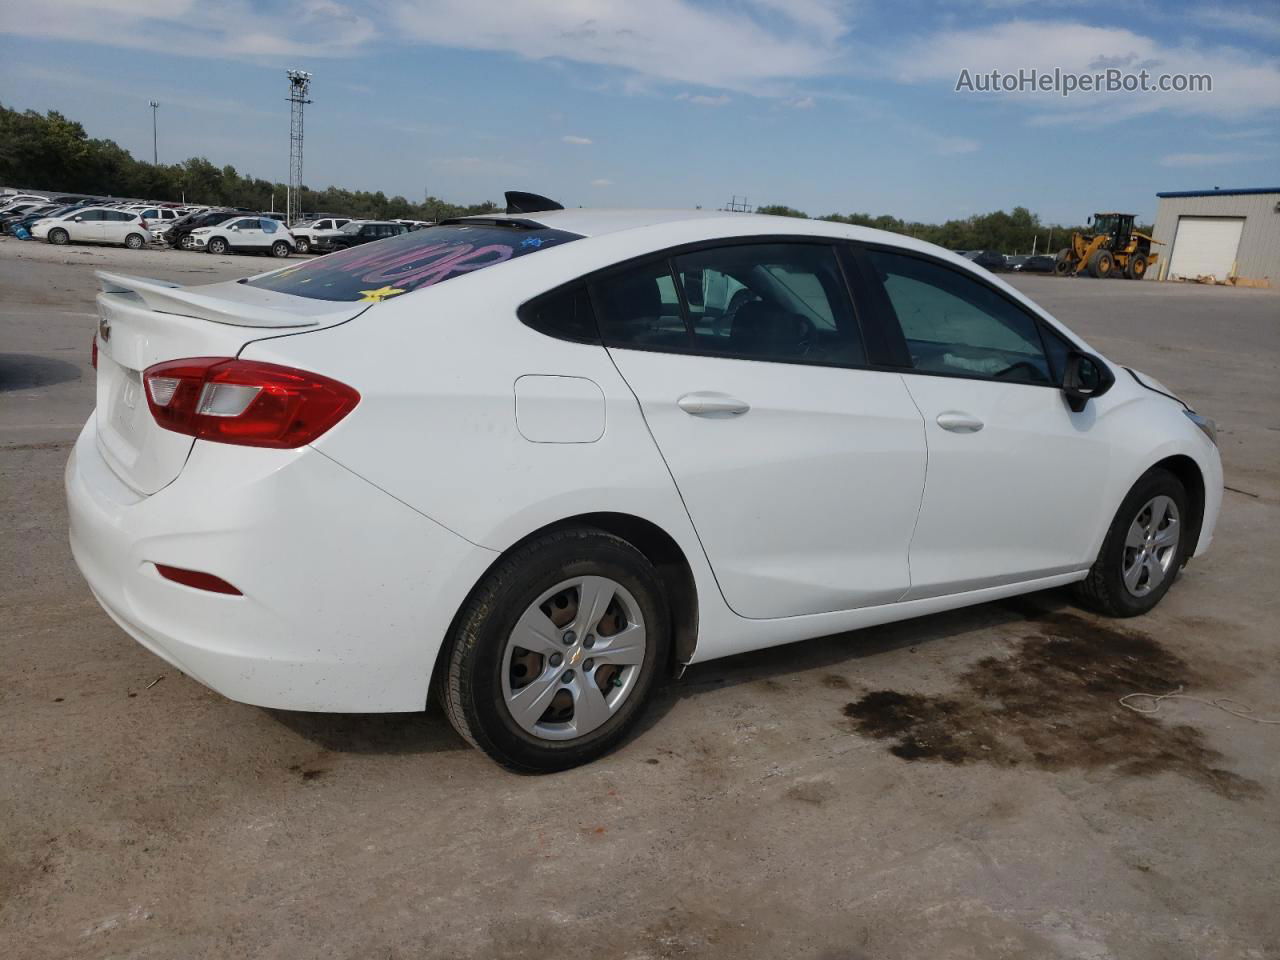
[(348, 593)]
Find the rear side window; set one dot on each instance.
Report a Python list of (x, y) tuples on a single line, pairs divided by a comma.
[(397, 265), (638, 307), (565, 314), (771, 301)]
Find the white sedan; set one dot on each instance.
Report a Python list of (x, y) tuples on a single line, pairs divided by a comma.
[(535, 461), (245, 235)]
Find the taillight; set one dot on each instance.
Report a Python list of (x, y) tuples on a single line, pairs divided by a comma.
[(245, 402), (93, 355), (197, 579)]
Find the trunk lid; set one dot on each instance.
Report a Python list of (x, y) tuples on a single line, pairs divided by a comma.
[(142, 322)]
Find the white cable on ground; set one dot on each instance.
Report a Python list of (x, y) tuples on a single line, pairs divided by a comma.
[(1241, 710)]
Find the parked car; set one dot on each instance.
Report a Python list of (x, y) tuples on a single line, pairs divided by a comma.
[(94, 225), (157, 216), (307, 234), (989, 259), (178, 236), (1013, 261), (245, 235), (22, 212), (23, 208), (529, 481), (9, 202), (359, 231), (1039, 263)]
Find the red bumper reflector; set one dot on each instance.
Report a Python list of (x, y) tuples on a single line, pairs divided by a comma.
[(194, 578)]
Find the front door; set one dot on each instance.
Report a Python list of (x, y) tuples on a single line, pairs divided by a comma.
[(801, 470), (1014, 476)]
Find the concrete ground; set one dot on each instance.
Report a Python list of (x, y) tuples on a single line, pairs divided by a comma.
[(962, 786)]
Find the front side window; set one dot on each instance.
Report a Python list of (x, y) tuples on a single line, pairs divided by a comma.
[(409, 261), (771, 301), (93, 215), (954, 324), (246, 224)]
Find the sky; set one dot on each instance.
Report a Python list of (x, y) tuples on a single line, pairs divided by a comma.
[(824, 105)]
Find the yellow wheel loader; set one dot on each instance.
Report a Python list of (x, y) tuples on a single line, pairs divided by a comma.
[(1113, 247)]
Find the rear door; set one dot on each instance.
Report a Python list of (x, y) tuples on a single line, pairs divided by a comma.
[(247, 233), (1014, 476), (801, 469)]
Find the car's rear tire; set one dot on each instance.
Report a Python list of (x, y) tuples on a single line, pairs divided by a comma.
[(1144, 549), (553, 656), (135, 241), (1136, 268), (218, 246), (304, 245), (280, 248), (59, 237)]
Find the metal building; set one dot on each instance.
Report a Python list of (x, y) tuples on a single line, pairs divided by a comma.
[(1223, 233)]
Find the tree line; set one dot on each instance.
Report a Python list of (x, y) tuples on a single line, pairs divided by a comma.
[(1013, 232), (49, 151)]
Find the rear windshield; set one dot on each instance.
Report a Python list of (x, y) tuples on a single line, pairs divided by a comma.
[(387, 268)]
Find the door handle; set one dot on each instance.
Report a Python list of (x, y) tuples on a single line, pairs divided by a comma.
[(959, 422), (712, 404)]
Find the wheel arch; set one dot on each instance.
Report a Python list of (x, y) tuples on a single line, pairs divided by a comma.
[(1192, 478), (659, 547)]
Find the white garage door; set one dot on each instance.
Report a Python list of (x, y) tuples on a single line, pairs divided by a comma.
[(1205, 245)]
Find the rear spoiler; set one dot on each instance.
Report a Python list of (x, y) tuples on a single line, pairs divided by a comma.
[(239, 305)]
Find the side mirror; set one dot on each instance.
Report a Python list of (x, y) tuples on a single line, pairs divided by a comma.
[(1086, 377), (232, 229), (79, 219)]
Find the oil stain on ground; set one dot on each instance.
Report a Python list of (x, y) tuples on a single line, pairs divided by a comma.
[(1053, 705)]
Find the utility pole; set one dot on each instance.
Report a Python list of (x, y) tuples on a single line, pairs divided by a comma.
[(299, 87), (155, 149)]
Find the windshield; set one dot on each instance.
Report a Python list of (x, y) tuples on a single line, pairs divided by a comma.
[(375, 271)]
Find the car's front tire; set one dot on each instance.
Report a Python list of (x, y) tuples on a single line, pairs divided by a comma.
[(218, 246), (554, 655), (59, 237), (1144, 549)]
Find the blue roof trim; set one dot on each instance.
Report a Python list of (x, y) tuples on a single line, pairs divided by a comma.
[(1230, 192)]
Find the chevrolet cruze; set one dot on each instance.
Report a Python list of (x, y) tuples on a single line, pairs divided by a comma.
[(534, 461)]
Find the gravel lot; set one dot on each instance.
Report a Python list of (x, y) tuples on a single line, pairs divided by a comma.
[(761, 812)]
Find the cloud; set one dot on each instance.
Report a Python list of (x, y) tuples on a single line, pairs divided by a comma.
[(746, 46), (702, 100), (580, 141), (601, 182), (1236, 20), (801, 103), (239, 29), (1243, 83), (1183, 160)]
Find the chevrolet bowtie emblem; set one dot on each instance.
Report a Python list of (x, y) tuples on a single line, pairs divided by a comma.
[(104, 329)]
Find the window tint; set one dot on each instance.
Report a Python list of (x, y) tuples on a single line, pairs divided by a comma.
[(409, 261), (322, 225), (247, 223), (268, 226), (1058, 347), (954, 324), (565, 314), (119, 215), (775, 301), (93, 215), (638, 307)]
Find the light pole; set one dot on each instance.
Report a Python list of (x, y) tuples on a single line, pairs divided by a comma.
[(155, 149)]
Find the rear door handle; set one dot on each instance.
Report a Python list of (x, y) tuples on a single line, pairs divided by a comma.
[(706, 404), (958, 422)]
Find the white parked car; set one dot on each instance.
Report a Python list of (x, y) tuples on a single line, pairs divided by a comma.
[(533, 460), (245, 235), (94, 225), (308, 234)]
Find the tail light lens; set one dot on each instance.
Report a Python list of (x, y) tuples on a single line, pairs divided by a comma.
[(245, 402), (93, 355)]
